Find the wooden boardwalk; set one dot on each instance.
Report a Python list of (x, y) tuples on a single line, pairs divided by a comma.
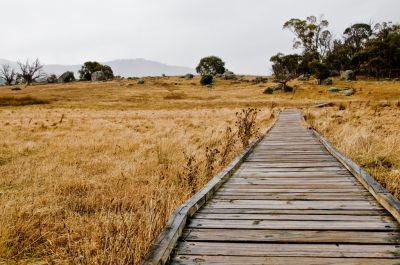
[(290, 202)]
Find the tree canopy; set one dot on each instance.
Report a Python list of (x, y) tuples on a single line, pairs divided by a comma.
[(285, 67), (365, 48), (88, 68), (311, 34), (211, 65)]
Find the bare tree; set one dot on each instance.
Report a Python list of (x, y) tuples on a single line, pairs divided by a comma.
[(31, 71), (7, 73)]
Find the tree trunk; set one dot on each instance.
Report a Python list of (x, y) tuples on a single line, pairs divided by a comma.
[(284, 86)]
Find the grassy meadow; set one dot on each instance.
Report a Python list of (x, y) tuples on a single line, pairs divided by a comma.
[(90, 172)]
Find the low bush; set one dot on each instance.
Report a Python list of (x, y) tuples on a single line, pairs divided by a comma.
[(268, 90), (289, 89), (206, 80)]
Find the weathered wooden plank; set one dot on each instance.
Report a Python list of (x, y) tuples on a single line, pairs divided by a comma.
[(291, 174), (292, 196), (272, 164), (321, 170), (293, 217), (277, 159), (255, 189), (294, 181), (234, 260), (245, 192), (289, 250), (207, 209), (304, 144), (337, 179), (293, 225), (288, 155), (290, 236), (260, 185), (291, 186), (292, 151), (294, 204)]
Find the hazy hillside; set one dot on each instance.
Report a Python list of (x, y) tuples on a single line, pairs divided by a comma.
[(142, 67), (126, 68)]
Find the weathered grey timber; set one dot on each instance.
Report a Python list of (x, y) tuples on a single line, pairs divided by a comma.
[(293, 200), (162, 248)]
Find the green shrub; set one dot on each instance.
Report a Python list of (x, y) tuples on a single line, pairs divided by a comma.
[(206, 80), (268, 90), (289, 89)]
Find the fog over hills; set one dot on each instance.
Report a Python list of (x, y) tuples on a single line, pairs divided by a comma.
[(125, 68)]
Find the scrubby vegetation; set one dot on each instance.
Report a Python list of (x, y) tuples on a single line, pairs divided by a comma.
[(206, 80), (365, 49), (89, 68)]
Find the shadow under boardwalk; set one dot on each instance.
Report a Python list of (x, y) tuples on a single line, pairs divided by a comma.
[(290, 202)]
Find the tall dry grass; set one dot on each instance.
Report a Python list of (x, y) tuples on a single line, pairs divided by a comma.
[(96, 187), (368, 133)]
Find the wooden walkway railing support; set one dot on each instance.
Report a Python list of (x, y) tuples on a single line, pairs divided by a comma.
[(161, 249), (386, 199)]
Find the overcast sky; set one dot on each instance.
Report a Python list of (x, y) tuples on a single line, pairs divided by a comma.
[(245, 34)]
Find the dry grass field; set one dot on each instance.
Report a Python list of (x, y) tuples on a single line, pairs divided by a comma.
[(90, 172)]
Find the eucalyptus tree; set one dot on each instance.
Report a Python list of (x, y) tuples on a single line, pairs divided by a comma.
[(211, 65), (311, 35), (285, 67)]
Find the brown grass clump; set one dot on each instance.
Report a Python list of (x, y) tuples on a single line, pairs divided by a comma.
[(368, 133), (92, 176), (21, 101)]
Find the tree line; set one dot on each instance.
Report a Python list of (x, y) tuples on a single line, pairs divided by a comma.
[(33, 71), (366, 48)]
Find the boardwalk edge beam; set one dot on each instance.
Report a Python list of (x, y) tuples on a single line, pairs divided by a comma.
[(160, 251), (386, 199)]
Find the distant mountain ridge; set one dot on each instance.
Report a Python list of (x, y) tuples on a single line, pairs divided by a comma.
[(126, 68)]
